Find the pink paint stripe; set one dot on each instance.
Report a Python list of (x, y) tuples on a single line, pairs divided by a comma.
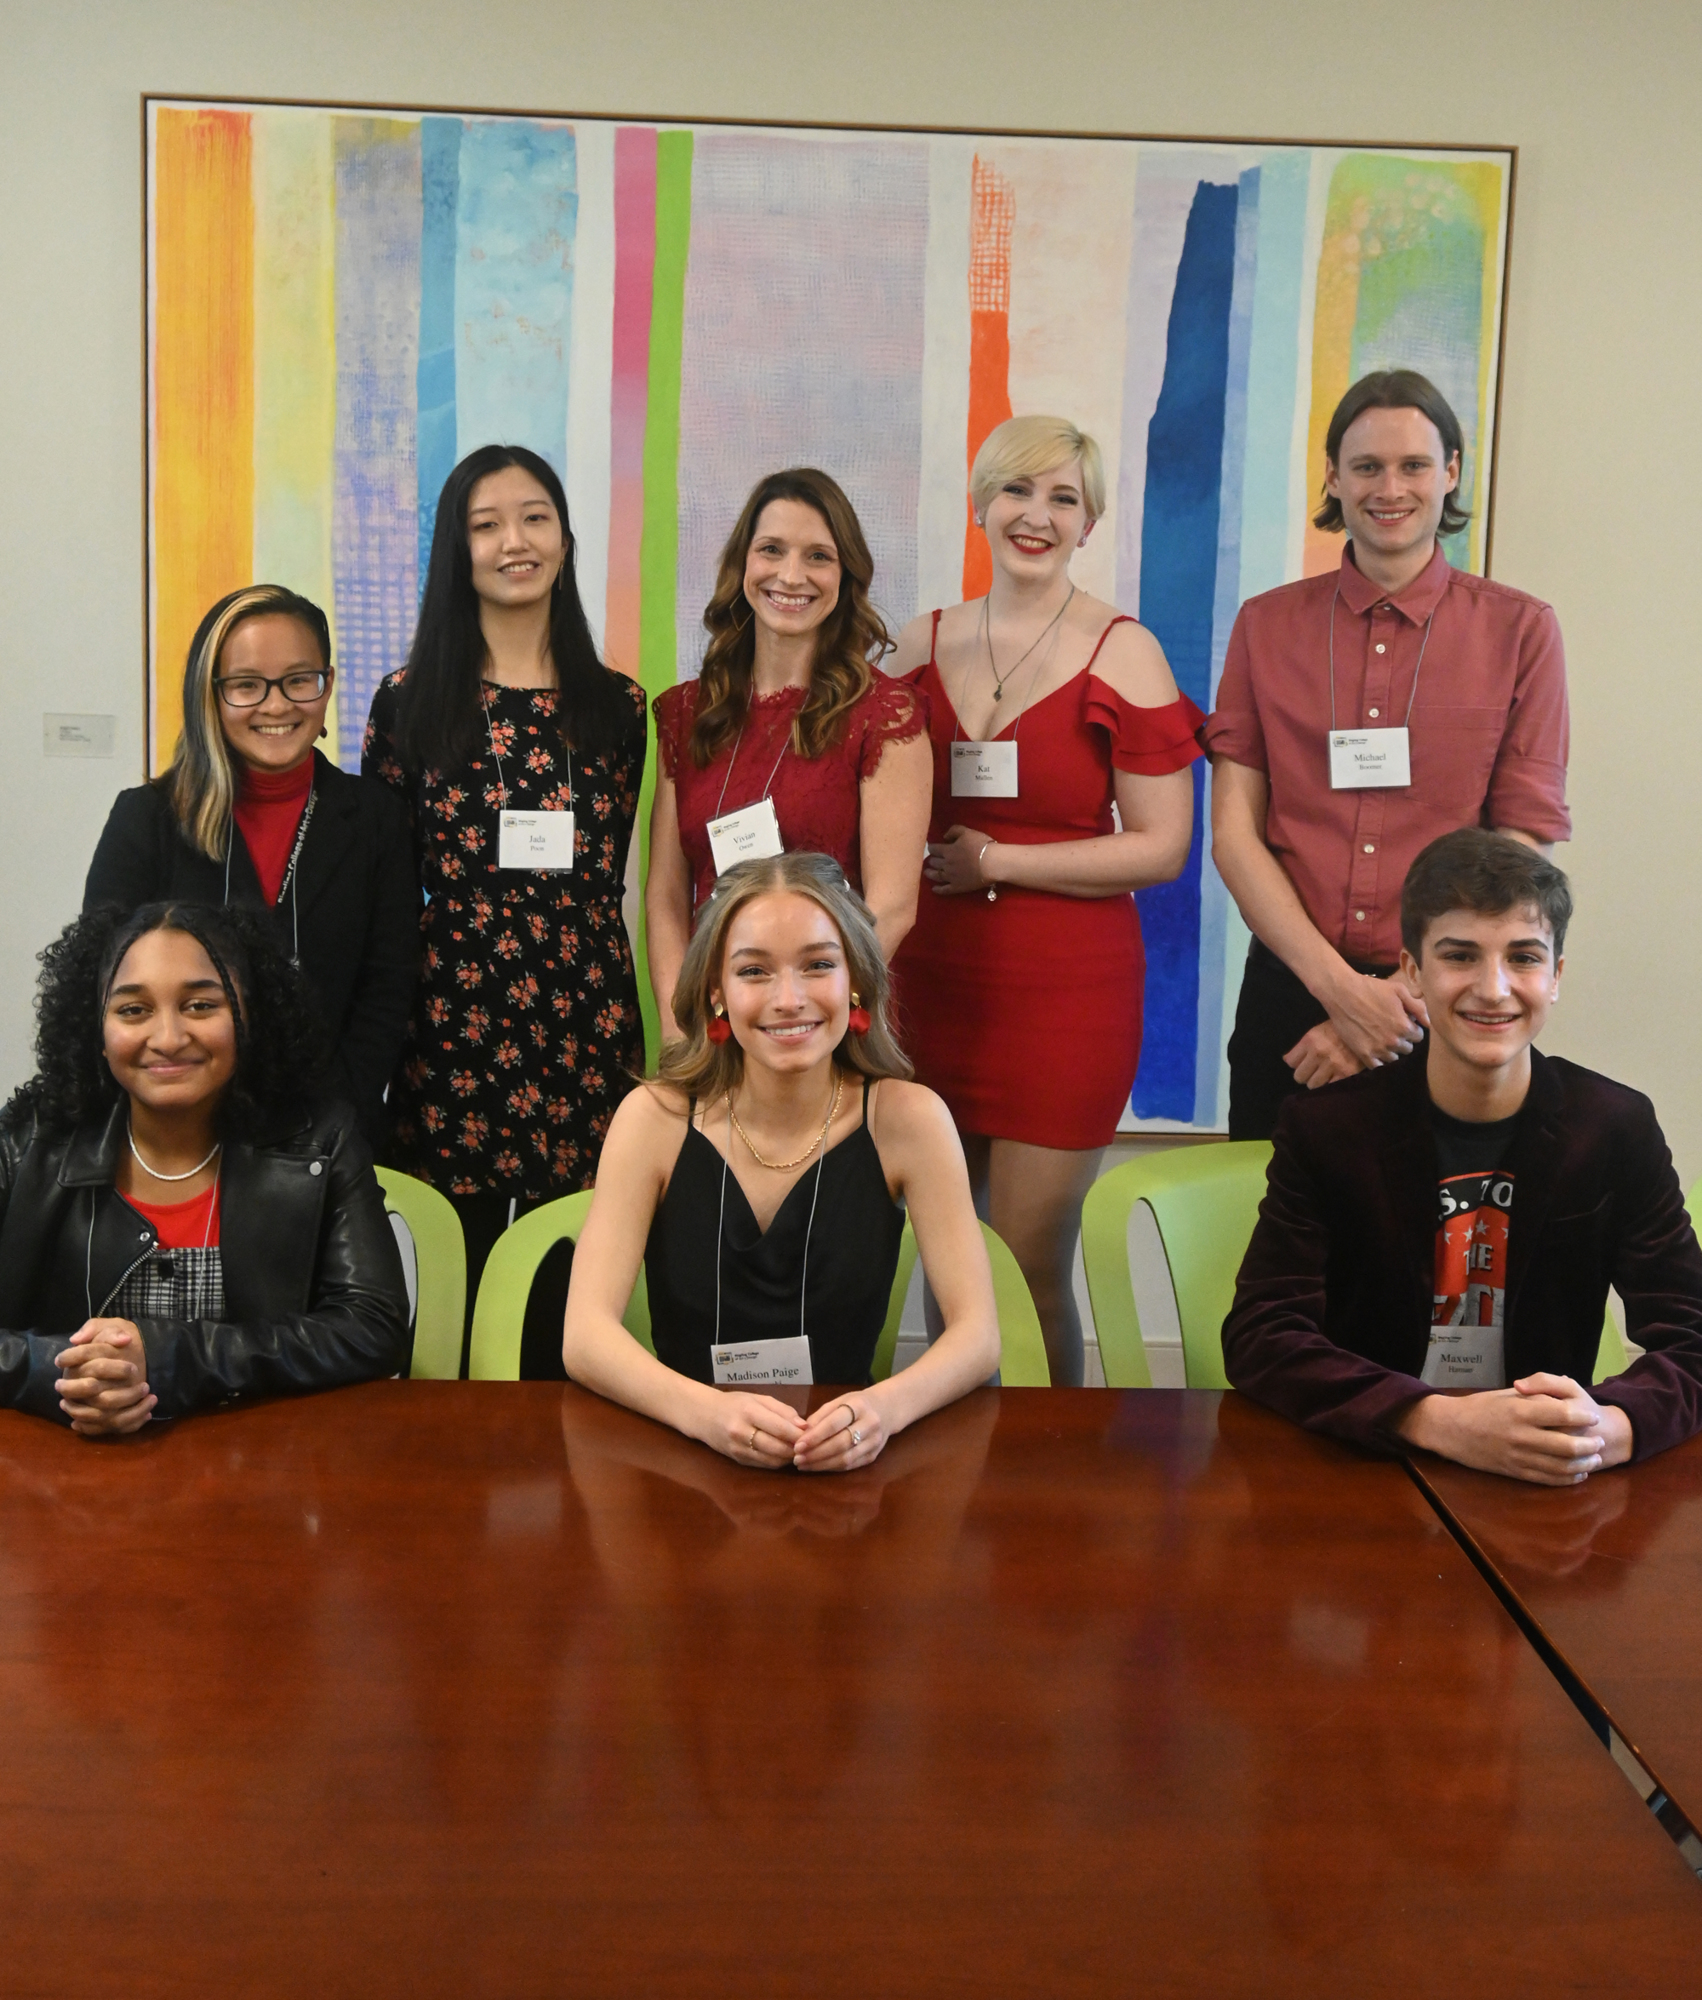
[(635, 261)]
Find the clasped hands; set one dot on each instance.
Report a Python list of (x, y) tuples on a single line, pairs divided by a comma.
[(954, 864), (1372, 1021), (762, 1431), (103, 1379), (1547, 1429)]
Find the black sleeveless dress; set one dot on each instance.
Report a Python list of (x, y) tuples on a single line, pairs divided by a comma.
[(853, 1255)]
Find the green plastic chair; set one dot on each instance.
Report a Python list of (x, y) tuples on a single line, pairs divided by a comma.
[(1022, 1348), (499, 1312), (1205, 1200), (440, 1274)]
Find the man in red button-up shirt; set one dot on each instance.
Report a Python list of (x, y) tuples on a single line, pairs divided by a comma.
[(1472, 670)]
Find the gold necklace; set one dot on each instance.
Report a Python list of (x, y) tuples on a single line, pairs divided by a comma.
[(786, 1166)]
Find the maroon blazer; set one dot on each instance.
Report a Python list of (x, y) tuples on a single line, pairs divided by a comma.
[(1331, 1320)]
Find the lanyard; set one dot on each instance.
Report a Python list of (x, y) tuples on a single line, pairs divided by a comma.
[(1411, 698), (288, 878), (501, 780), (1015, 724), (721, 1228), (785, 745)]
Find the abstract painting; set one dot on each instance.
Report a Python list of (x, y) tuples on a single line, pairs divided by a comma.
[(341, 303)]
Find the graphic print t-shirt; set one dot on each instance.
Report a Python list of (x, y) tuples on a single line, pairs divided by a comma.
[(1474, 1217)]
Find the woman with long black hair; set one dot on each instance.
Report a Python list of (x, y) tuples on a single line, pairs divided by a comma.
[(182, 1223), (519, 755)]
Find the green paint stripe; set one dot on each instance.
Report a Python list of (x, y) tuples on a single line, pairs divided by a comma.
[(659, 547)]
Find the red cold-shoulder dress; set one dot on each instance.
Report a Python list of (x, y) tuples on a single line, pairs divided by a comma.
[(1025, 1013)]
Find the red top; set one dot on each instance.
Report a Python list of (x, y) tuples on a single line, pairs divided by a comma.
[(269, 807), (816, 799), (183, 1225), (1488, 735)]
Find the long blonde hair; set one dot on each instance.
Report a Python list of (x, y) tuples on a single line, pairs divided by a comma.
[(200, 781), (700, 1068)]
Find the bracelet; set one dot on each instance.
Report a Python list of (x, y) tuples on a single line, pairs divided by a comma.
[(992, 887)]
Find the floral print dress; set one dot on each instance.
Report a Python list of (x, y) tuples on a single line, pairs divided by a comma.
[(526, 1025)]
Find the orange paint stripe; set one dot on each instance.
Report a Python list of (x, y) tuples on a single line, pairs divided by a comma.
[(203, 442), (993, 212)]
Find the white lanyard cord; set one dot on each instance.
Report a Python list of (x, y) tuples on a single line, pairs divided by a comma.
[(501, 779), (289, 881), (721, 1230), (785, 745), (1411, 698), (1015, 723)]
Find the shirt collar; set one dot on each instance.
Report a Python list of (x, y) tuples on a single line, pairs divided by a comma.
[(1415, 603)]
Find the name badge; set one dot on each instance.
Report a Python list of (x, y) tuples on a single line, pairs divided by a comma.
[(1368, 759), (751, 834), (534, 840), (1464, 1357), (983, 770), (747, 1364)]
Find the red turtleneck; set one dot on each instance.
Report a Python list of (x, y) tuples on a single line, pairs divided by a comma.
[(269, 807)]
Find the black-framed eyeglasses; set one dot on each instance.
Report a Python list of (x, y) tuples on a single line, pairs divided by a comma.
[(250, 690)]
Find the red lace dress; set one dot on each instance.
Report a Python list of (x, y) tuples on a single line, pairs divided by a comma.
[(1025, 1013), (817, 800)]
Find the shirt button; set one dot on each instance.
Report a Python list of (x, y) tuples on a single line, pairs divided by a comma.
[(1370, 848), (1375, 713), (1382, 648), (1359, 916), (316, 1168)]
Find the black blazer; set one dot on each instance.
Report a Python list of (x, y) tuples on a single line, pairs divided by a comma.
[(1331, 1320), (356, 899), (314, 1295)]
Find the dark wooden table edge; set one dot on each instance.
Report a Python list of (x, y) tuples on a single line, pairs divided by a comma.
[(1679, 1828)]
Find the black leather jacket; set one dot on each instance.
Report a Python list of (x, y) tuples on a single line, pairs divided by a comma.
[(314, 1295)]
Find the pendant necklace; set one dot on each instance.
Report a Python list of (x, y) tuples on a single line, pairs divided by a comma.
[(154, 1174), (999, 679), (785, 1166)]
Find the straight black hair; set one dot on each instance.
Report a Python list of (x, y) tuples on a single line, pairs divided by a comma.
[(439, 725), (1396, 389), (1491, 873)]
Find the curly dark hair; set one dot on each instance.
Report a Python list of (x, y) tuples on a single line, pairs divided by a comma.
[(279, 1052)]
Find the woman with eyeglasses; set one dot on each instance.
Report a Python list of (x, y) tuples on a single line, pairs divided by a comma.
[(250, 813)]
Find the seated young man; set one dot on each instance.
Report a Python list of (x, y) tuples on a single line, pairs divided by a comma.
[(1434, 1250)]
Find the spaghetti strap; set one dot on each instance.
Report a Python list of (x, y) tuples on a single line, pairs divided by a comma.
[(1122, 618), (934, 644)]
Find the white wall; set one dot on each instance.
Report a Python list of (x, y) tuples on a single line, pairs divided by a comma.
[(1601, 442)]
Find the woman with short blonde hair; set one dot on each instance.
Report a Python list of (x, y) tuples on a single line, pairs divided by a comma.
[(758, 1179), (1061, 785)]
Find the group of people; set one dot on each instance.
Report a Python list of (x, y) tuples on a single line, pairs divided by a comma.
[(898, 970)]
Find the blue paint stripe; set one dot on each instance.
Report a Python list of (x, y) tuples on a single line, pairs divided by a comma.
[(1273, 363), (440, 181), (1179, 552), (518, 212)]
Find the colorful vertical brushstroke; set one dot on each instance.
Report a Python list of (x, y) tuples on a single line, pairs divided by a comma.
[(434, 372), (203, 400), (629, 386), (992, 215), (376, 479)]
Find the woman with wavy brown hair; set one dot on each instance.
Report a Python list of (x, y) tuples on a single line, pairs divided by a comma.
[(758, 1179), (790, 739)]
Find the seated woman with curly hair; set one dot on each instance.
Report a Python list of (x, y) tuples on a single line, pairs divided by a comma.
[(180, 1226), (759, 1179)]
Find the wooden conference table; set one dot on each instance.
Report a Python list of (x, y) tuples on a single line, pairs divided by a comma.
[(467, 1688), (1610, 1573)]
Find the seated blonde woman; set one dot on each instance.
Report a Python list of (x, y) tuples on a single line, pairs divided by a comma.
[(763, 1179)]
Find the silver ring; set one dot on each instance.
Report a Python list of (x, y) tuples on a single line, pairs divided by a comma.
[(856, 1437)]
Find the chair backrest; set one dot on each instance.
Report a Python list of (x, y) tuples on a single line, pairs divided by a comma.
[(1022, 1348), (440, 1274), (499, 1312), (1205, 1200)]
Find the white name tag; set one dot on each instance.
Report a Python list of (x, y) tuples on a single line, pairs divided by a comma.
[(751, 834), (746, 1364), (534, 840), (1361, 759), (983, 770), (1464, 1357)]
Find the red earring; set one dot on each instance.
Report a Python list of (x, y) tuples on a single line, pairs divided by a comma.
[(720, 1029), (858, 1020)]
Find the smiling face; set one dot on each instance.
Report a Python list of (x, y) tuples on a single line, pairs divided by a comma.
[(1488, 982), (168, 1030), (1391, 480), (514, 538), (277, 733), (785, 984), (792, 572), (1035, 523)]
